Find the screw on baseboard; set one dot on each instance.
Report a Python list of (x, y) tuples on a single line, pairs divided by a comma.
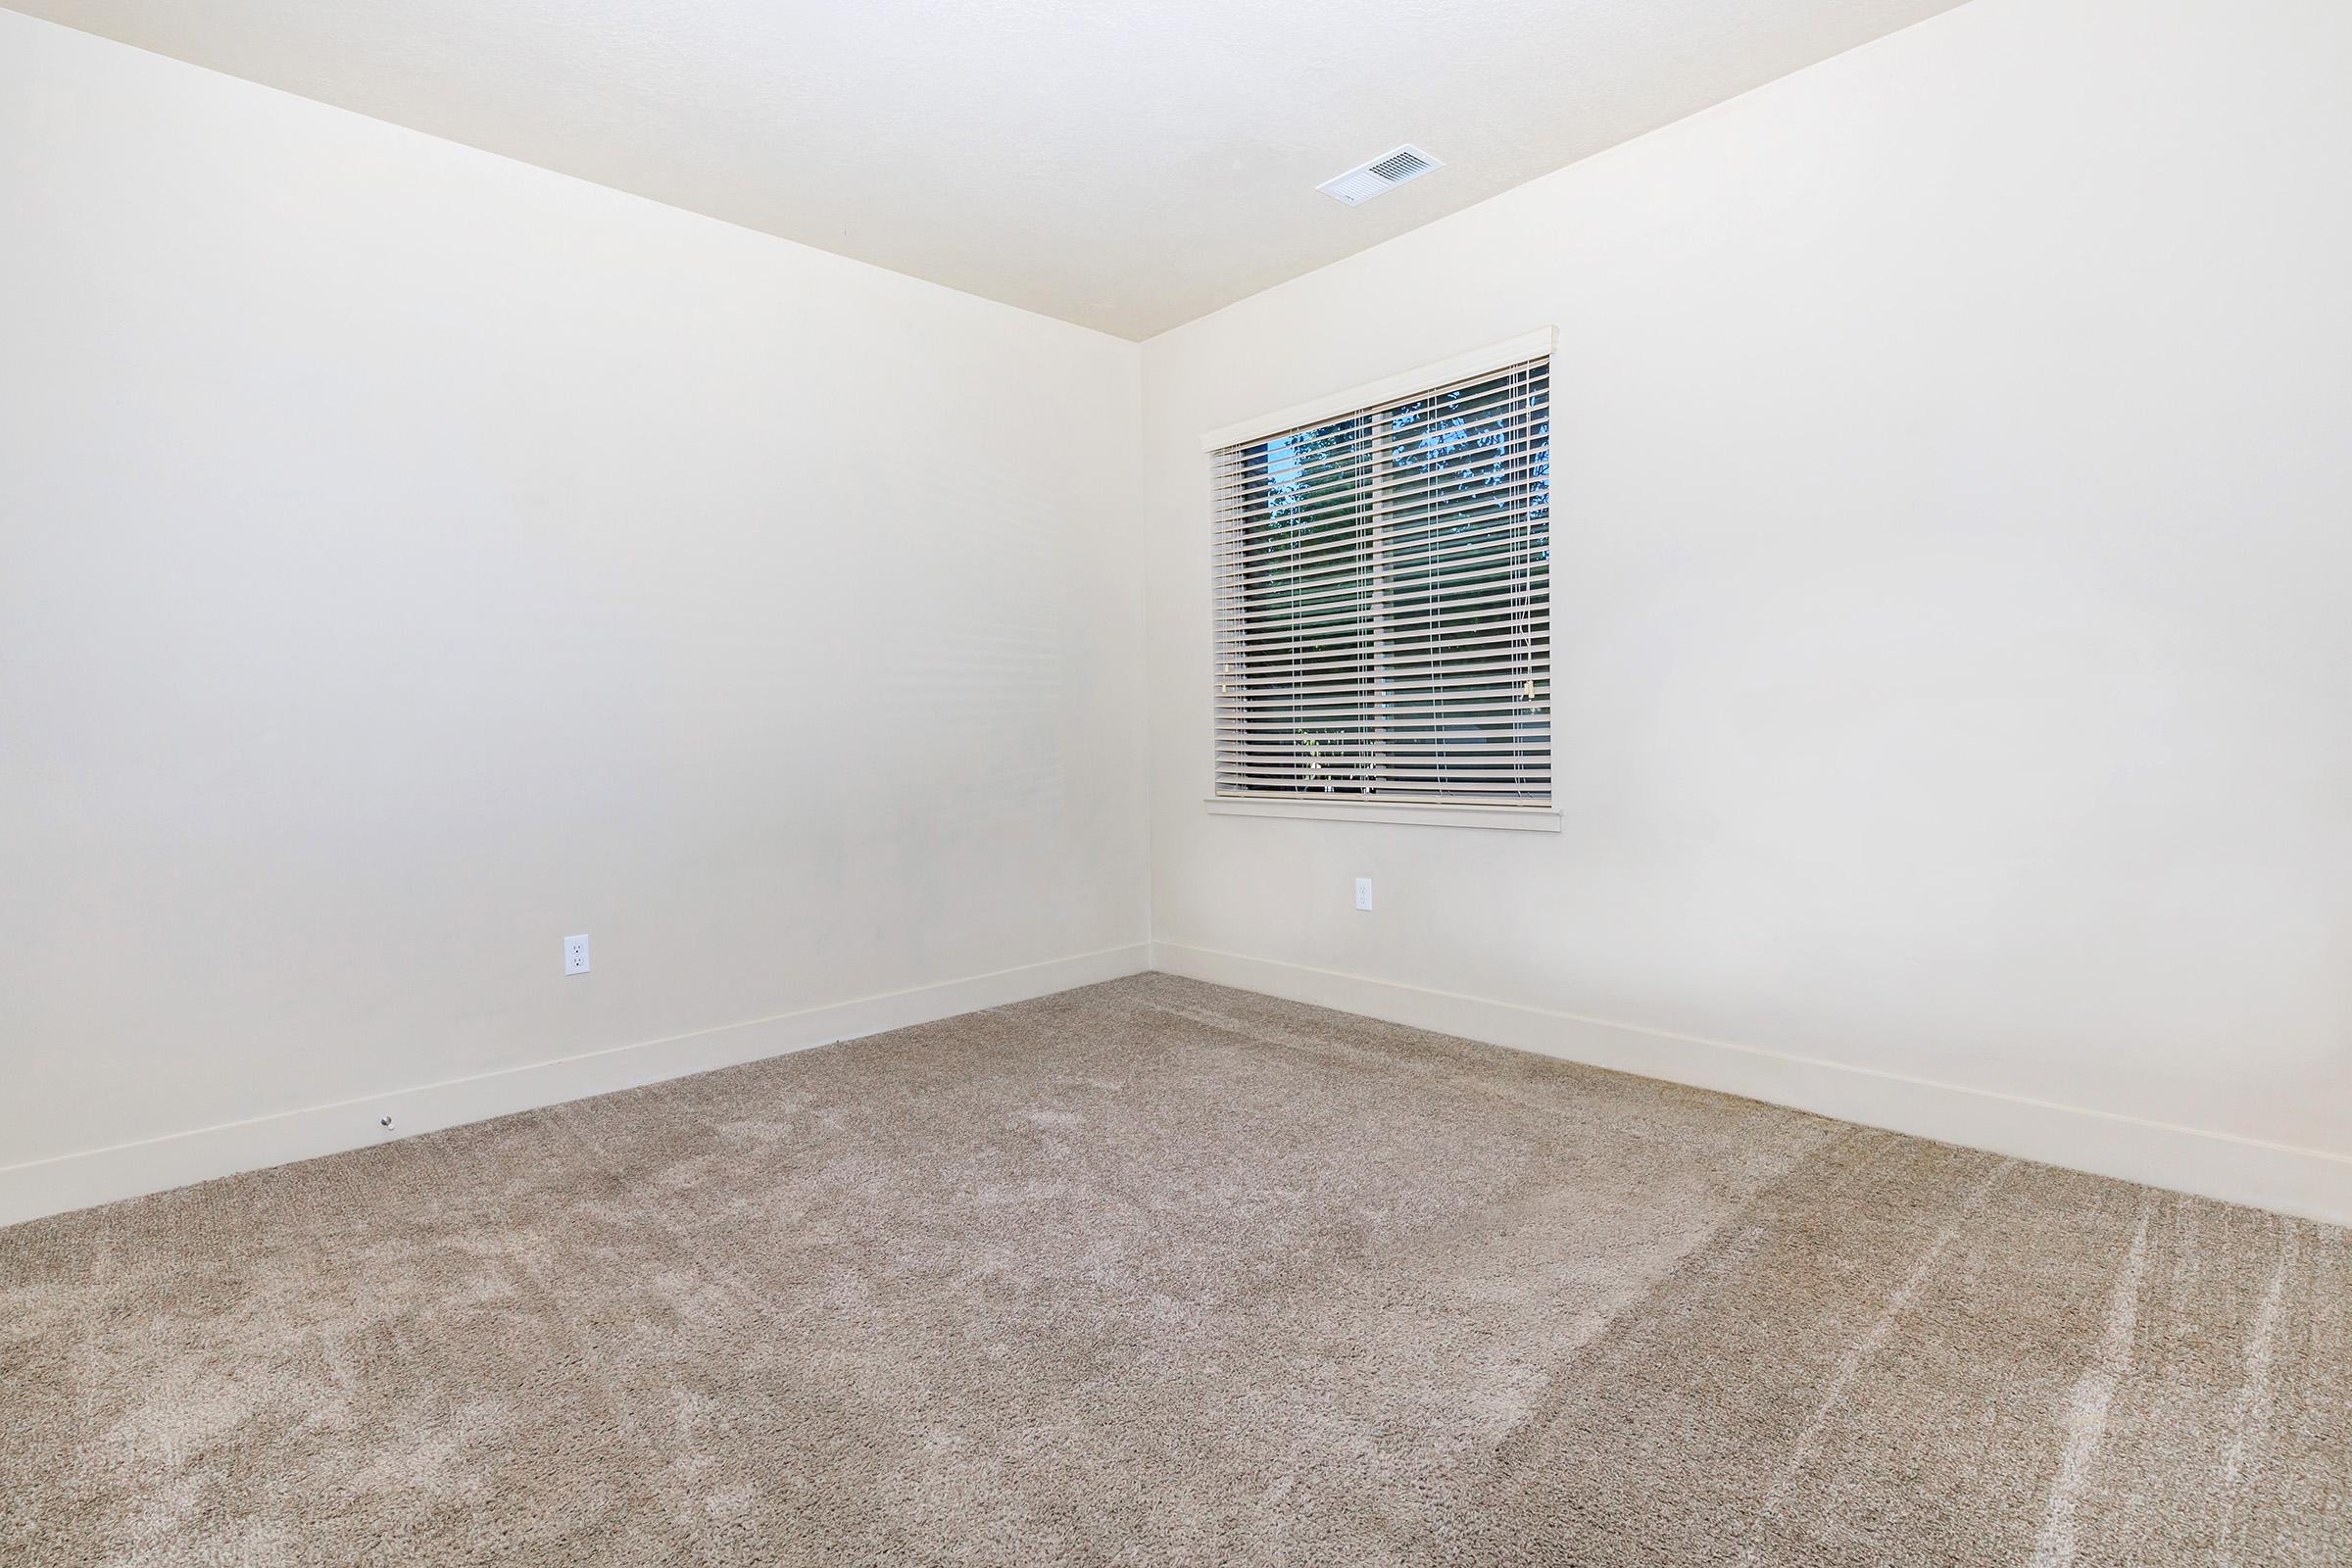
[(385, 1122)]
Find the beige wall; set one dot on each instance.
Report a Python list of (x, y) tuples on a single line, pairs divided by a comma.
[(1953, 541), (410, 558)]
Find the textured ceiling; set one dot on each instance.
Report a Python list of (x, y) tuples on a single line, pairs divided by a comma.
[(1122, 165)]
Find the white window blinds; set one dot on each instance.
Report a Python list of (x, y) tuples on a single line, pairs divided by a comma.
[(1383, 604)]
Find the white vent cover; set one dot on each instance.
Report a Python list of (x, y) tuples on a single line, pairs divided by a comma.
[(1384, 173)]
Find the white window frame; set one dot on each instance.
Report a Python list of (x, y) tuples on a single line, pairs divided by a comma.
[(1493, 357)]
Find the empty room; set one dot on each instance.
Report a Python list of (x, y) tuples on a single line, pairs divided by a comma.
[(1051, 784)]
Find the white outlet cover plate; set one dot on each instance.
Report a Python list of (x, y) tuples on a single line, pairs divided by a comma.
[(1363, 893), (575, 954)]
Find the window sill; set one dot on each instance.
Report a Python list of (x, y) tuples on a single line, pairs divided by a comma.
[(1512, 818)]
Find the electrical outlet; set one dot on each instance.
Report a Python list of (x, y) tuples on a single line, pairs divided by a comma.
[(1363, 893), (575, 954)]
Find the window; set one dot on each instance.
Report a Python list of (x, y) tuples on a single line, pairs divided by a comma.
[(1383, 598)]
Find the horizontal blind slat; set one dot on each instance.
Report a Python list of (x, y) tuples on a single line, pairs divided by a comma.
[(1260, 527), (1359, 555), (1526, 638), (1427, 609), (1353, 437)]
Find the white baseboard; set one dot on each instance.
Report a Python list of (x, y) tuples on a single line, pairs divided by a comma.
[(127, 1170), (2305, 1182)]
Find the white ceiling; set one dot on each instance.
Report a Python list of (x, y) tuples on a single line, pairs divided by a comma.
[(1123, 164)]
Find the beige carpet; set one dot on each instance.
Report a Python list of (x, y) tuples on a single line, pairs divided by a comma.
[(1160, 1273)]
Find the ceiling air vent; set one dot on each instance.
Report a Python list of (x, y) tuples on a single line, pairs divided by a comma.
[(1384, 173)]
